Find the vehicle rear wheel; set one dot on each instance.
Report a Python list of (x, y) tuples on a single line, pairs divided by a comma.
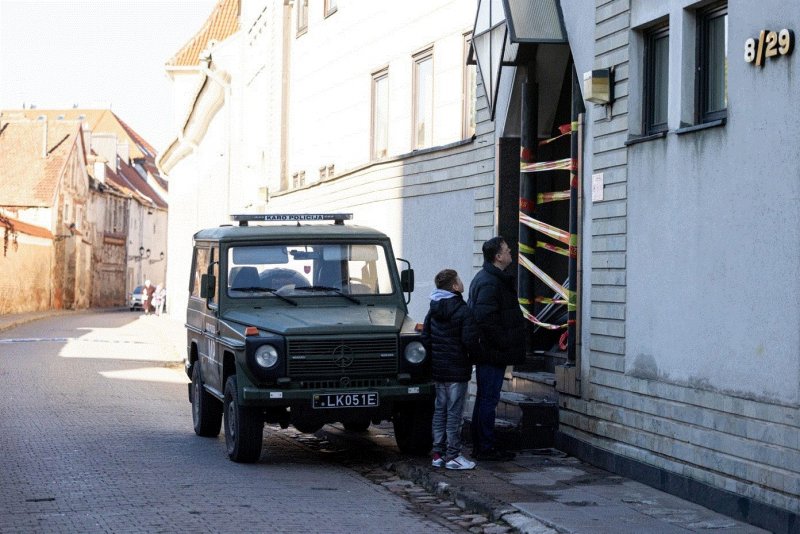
[(356, 426), (244, 428), (206, 410), (412, 427)]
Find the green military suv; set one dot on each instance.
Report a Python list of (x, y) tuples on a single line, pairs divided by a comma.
[(302, 320)]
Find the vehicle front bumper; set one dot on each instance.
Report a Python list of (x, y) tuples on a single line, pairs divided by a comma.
[(254, 396)]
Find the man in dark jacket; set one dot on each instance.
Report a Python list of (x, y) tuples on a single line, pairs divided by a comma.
[(493, 300), (450, 333)]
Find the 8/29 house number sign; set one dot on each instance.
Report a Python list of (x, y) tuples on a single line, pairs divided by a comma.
[(769, 45)]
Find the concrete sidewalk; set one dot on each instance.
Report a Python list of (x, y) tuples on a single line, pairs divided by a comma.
[(546, 491), (540, 491)]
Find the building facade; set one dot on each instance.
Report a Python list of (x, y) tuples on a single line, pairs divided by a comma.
[(690, 219)]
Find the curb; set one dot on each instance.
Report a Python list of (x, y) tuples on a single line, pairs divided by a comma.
[(469, 500), (29, 317)]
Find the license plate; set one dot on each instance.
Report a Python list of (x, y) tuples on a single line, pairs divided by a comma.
[(346, 400)]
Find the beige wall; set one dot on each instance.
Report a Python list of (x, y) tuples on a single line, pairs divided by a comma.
[(26, 275)]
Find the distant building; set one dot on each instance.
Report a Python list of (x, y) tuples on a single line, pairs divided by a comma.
[(123, 219), (44, 192)]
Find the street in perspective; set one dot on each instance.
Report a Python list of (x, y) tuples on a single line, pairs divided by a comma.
[(98, 438)]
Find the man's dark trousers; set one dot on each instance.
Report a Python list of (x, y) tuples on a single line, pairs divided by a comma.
[(489, 381)]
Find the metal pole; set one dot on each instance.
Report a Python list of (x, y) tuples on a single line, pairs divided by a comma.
[(529, 123), (574, 180)]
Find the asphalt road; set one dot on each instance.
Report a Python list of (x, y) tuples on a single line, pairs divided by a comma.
[(96, 436)]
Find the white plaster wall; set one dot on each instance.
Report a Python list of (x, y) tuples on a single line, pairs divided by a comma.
[(258, 90), (200, 181), (331, 82)]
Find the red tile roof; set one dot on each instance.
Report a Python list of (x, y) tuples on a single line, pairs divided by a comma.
[(222, 23), (132, 179), (25, 228), (29, 171), (97, 121)]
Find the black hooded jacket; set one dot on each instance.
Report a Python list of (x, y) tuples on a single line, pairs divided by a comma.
[(493, 300), (450, 334)]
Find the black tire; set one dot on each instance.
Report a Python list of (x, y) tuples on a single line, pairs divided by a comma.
[(206, 409), (244, 428), (412, 427), (356, 426)]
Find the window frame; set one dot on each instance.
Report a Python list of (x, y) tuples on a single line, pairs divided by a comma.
[(651, 35), (331, 7), (302, 17), (378, 76), (418, 59), (704, 17)]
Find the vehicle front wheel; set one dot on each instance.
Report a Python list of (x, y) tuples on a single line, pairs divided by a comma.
[(412, 427), (206, 410), (244, 428)]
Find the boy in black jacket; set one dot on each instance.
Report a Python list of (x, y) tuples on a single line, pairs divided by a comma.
[(450, 333)]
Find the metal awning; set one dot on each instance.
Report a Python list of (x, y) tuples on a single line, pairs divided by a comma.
[(503, 32)]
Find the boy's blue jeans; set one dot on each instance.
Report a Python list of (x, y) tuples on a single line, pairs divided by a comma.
[(447, 418)]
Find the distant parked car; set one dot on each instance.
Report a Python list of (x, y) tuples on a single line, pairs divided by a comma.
[(137, 298)]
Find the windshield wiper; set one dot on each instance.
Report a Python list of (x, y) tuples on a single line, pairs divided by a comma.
[(328, 288), (269, 290)]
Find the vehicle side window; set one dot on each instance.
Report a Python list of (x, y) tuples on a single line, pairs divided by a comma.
[(201, 259), (215, 271)]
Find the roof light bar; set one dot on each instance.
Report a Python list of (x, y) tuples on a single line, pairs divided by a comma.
[(244, 218)]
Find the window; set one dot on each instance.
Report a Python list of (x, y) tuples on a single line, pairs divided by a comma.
[(712, 63), (380, 114), (200, 268), (212, 301), (468, 93), (276, 272), (330, 7), (302, 17), (423, 100), (656, 79), (299, 179)]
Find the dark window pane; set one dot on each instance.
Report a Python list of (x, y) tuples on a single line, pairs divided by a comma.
[(660, 79), (656, 81), (716, 90)]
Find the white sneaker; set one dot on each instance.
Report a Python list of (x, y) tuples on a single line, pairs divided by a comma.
[(437, 461), (460, 462)]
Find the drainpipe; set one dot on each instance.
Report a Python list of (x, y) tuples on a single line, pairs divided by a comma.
[(205, 66)]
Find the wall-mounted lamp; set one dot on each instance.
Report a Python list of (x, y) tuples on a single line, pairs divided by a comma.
[(598, 86), (143, 254), (160, 258)]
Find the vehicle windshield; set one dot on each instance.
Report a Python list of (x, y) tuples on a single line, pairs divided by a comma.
[(336, 270)]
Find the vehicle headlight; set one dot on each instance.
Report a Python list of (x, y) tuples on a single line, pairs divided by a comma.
[(266, 356), (415, 352)]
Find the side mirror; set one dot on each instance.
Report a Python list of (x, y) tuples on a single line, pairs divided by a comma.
[(407, 280), (208, 285)]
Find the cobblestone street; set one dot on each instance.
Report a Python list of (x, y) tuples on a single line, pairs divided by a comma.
[(96, 438)]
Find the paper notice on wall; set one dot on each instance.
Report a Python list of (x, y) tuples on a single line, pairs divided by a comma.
[(597, 187)]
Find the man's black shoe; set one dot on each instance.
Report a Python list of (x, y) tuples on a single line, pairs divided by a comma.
[(494, 455)]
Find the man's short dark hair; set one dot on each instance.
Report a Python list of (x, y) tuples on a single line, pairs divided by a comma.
[(445, 279), (492, 247)]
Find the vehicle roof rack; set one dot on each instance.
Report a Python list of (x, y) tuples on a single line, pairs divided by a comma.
[(244, 218)]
